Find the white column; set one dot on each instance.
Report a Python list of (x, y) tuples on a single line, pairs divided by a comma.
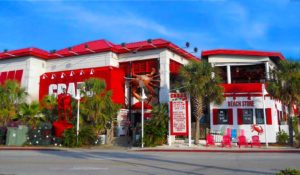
[(164, 63), (228, 74), (267, 70)]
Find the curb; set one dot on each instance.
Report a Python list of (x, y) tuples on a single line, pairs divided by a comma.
[(217, 151), (28, 149)]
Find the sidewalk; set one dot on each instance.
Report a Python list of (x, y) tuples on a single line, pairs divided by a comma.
[(201, 148)]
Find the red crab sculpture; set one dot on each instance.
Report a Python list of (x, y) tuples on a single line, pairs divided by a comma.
[(257, 128), (148, 81)]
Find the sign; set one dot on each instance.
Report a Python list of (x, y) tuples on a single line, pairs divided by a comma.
[(179, 114), (240, 103), (123, 122)]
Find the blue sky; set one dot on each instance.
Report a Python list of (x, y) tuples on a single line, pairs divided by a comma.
[(272, 25)]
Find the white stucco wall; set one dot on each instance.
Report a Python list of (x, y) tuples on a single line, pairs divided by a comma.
[(269, 103)]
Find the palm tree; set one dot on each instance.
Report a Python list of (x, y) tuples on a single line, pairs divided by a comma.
[(11, 96), (201, 81), (285, 86), (97, 107), (49, 107), (31, 114)]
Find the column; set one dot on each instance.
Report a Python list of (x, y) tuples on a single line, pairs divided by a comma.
[(267, 68), (164, 63), (228, 74)]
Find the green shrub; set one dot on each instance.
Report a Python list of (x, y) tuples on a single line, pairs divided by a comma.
[(282, 137), (156, 128), (289, 171), (86, 136)]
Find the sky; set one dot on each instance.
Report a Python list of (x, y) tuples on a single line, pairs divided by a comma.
[(267, 25)]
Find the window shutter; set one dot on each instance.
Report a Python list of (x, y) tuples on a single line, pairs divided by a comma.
[(230, 116), (240, 116), (215, 116), (269, 116)]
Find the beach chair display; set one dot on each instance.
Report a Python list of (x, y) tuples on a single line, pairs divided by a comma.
[(210, 140), (226, 141), (255, 141), (242, 141)]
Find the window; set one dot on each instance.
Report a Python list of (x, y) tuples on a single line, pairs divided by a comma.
[(259, 114), (247, 116), (222, 116)]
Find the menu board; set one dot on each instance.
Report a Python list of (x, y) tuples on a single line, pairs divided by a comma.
[(247, 116), (179, 115), (223, 117)]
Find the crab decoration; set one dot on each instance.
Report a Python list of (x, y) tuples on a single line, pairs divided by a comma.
[(148, 81)]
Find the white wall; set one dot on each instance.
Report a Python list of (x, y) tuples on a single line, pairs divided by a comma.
[(269, 103), (82, 61), (217, 59)]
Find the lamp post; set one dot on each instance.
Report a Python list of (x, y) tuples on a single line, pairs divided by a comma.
[(77, 119), (264, 92), (144, 97)]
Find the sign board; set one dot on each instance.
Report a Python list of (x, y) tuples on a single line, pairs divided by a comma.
[(123, 122), (179, 114)]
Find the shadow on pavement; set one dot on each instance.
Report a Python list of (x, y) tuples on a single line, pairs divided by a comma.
[(139, 159)]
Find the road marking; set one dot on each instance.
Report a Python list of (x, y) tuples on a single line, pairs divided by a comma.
[(88, 168)]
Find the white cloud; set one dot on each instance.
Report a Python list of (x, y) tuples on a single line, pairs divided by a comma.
[(104, 19)]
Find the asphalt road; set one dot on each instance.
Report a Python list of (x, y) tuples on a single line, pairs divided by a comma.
[(122, 162)]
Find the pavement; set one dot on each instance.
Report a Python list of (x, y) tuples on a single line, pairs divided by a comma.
[(180, 147)]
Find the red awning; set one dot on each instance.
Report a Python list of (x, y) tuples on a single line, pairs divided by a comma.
[(138, 106)]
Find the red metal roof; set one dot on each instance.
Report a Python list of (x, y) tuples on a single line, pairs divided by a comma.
[(97, 47), (277, 55)]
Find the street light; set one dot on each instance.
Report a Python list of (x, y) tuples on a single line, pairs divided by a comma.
[(143, 98), (264, 92), (78, 110)]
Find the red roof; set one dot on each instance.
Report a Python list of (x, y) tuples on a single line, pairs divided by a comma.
[(276, 55), (97, 47)]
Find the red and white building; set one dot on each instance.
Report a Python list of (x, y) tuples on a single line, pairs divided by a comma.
[(243, 73), (42, 73)]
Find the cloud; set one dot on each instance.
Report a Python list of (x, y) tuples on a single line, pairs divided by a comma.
[(104, 19)]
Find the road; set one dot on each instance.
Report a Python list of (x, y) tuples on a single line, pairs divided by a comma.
[(122, 162)]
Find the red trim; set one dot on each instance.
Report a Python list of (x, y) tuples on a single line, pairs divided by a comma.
[(269, 116), (97, 47), (215, 116), (277, 55), (230, 116), (240, 116), (11, 75)]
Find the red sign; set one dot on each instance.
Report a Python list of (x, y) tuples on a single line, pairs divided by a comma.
[(179, 114), (55, 82)]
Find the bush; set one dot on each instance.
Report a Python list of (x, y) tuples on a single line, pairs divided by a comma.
[(289, 171), (156, 128), (86, 136), (282, 137)]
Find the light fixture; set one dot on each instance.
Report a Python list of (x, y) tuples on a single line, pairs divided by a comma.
[(195, 50), (53, 76), (86, 46), (62, 75), (150, 41), (54, 53), (92, 72), (124, 47), (44, 76), (72, 74), (71, 51), (187, 44), (81, 72), (8, 54)]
